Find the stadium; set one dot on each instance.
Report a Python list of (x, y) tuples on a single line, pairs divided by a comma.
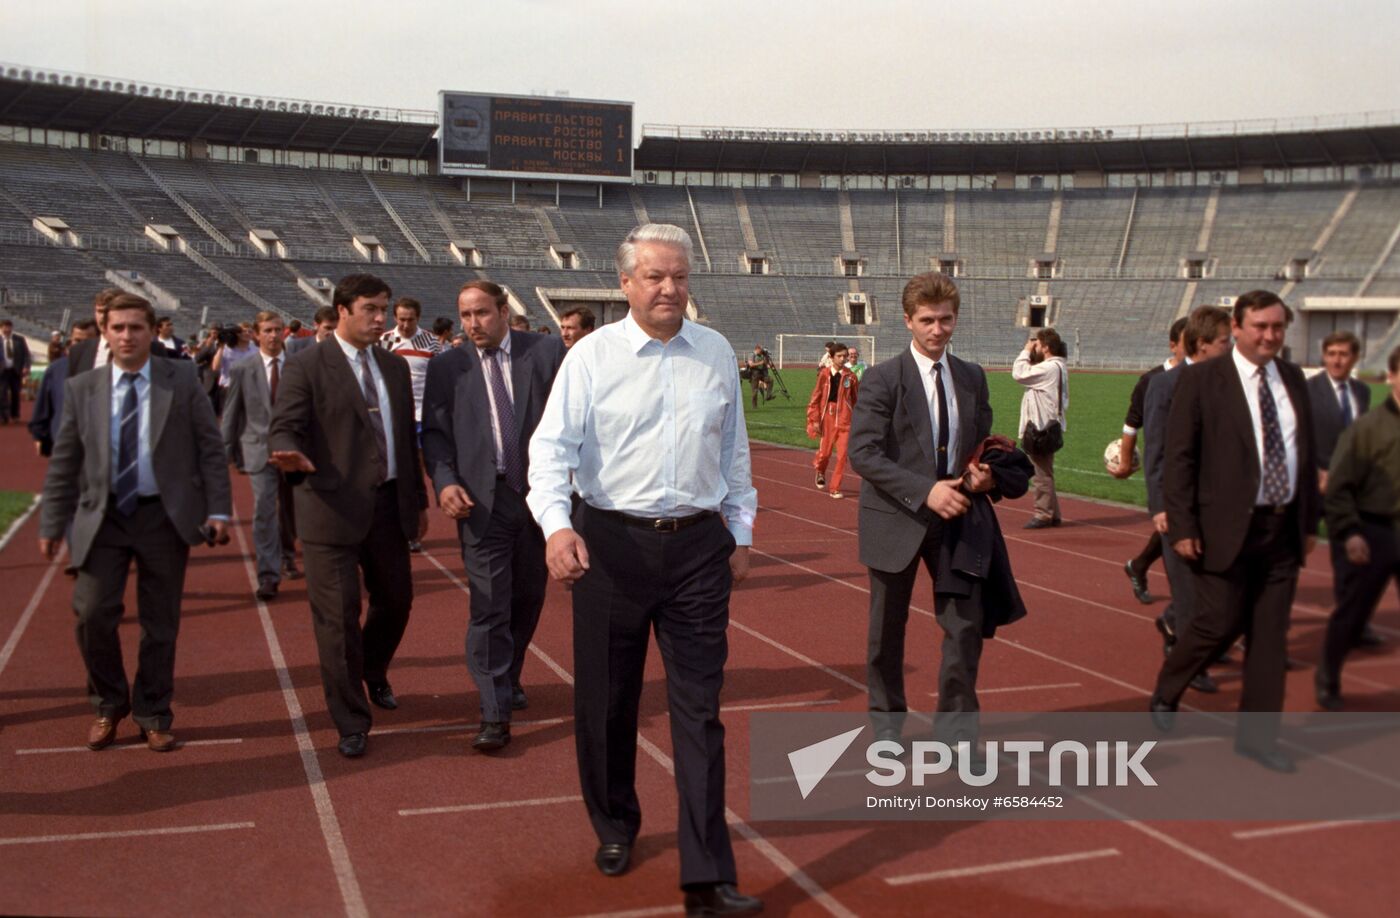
[(216, 205)]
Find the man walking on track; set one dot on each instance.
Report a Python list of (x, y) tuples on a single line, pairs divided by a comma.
[(647, 416), (138, 469)]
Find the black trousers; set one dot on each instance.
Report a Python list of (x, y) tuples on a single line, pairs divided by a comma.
[(1361, 587), (1252, 598), (676, 584), (351, 655), (1150, 552), (151, 540), (506, 576), (10, 386)]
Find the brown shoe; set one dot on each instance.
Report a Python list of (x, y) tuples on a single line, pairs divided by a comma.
[(102, 732), (159, 740)]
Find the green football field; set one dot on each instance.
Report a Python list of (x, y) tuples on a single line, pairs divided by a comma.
[(1097, 404)]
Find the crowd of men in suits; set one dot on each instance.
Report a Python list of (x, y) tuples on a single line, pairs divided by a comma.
[(555, 458)]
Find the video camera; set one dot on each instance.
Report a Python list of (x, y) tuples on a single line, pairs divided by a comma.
[(228, 335)]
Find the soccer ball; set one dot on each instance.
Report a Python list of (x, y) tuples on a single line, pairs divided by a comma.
[(1111, 458)]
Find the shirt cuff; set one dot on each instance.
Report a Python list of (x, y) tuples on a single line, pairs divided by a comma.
[(1129, 431), (743, 535), (220, 517), (555, 519)]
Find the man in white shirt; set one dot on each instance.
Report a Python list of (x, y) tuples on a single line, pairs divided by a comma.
[(1041, 369), (252, 393), (646, 418), (414, 344)]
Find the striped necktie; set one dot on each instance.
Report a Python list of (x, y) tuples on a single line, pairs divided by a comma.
[(129, 448)]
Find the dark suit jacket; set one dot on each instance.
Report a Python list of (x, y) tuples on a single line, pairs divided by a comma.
[(188, 456), (1156, 405), (458, 446), (1212, 465), (48, 406), (22, 359), (1327, 414), (891, 447), (83, 355), (297, 345), (321, 412)]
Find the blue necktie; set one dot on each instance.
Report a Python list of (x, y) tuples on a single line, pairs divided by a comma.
[(505, 419), (1346, 404), (129, 449)]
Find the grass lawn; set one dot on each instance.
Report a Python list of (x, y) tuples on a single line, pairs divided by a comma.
[(12, 504), (1097, 404)]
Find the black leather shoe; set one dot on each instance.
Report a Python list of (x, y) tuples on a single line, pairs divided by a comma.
[(1139, 584), (613, 860), (1057, 521), (353, 746), (518, 701), (494, 735), (1163, 714), (1203, 683), (1168, 635), (382, 694), (267, 589), (1272, 759), (1368, 639), (1038, 522), (1329, 699), (720, 899)]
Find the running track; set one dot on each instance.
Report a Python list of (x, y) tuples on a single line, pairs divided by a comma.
[(256, 813)]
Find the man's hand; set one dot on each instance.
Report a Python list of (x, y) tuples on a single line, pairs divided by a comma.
[(1125, 457), (739, 563), (946, 500), (978, 478), (49, 548), (1358, 549), (1309, 543), (422, 524), (291, 460), (813, 433), (218, 530), (1159, 522), (1322, 480), (1190, 549), (566, 556), (455, 502)]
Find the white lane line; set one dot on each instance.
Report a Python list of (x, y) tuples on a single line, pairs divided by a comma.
[(766, 848), (463, 727), (1297, 828), (500, 805), (17, 632), (640, 912), (350, 892), (18, 522), (129, 833), (1004, 867), (777, 704), (124, 747), (1024, 688)]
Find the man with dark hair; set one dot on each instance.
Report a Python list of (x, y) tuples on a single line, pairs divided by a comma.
[(414, 344), (14, 370), (759, 365), (138, 471), (1041, 369), (48, 401), (1240, 489), (519, 323), (1205, 336), (920, 417), (95, 352), (574, 323), (325, 320), (660, 534), (1136, 568), (1363, 516), (1337, 401), (165, 335), (252, 393), (343, 432), (481, 407), (442, 331)]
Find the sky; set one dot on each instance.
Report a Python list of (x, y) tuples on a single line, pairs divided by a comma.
[(877, 64)]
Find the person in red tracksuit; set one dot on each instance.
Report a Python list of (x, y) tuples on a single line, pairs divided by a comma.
[(829, 416)]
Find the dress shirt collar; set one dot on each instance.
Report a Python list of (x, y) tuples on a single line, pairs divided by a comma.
[(504, 346), (637, 337), (352, 353), (1249, 370), (926, 363), (117, 372), (268, 361)]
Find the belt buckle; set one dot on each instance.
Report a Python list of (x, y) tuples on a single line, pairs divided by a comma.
[(670, 524)]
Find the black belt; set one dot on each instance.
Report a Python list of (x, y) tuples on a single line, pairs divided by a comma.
[(1271, 509), (662, 524), (141, 501)]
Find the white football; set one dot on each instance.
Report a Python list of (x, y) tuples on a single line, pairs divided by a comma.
[(1111, 458)]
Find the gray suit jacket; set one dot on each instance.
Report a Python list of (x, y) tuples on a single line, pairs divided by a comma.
[(891, 447), (297, 345), (458, 446), (248, 415), (188, 456), (1327, 414)]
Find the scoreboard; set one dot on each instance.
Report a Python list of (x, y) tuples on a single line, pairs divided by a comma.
[(534, 137)]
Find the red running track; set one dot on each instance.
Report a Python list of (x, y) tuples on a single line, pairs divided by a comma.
[(256, 813)]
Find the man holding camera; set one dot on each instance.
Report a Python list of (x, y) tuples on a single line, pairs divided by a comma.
[(758, 365), (138, 470), (1041, 369)]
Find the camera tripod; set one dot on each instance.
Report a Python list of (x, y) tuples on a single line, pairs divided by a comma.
[(776, 379)]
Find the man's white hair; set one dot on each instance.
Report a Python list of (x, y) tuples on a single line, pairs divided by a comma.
[(666, 233)]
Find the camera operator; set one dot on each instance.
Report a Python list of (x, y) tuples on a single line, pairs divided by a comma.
[(758, 365), (235, 344)]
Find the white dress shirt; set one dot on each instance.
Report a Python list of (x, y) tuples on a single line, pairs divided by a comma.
[(1287, 419), (103, 355), (145, 471), (281, 361), (486, 371), (949, 394), (386, 410), (646, 428)]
